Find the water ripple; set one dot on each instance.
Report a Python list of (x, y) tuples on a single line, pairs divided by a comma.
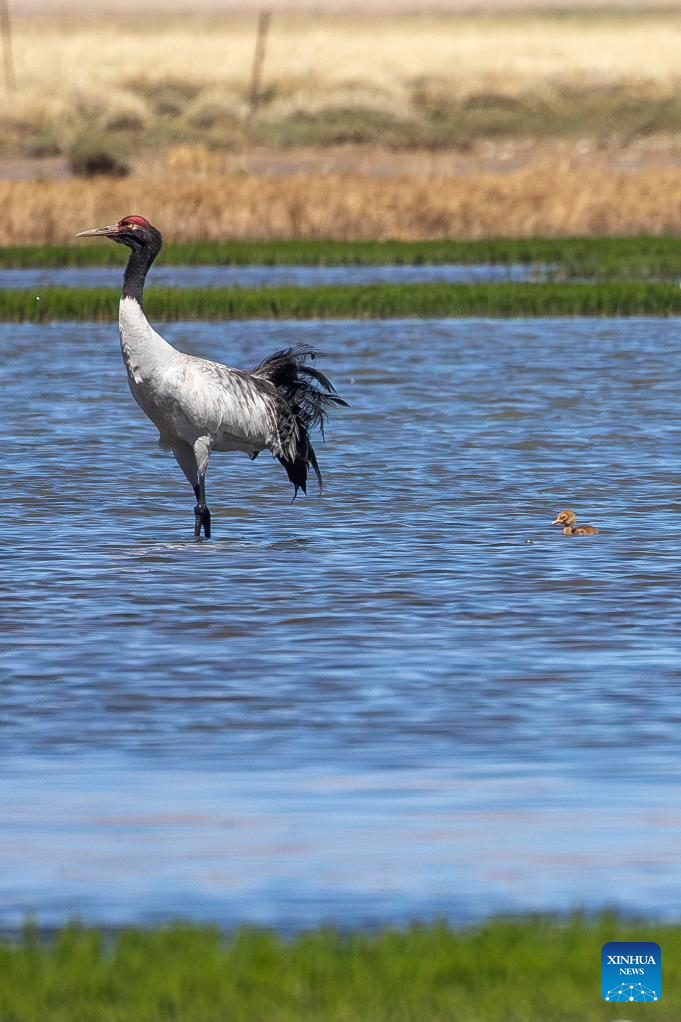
[(422, 614)]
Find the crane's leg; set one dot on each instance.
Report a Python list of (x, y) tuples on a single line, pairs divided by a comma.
[(186, 459), (201, 512), (194, 462)]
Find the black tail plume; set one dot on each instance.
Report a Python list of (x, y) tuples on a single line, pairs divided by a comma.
[(307, 396)]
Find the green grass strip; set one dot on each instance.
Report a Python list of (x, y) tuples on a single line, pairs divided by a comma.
[(359, 302), (279, 253), (535, 970), (642, 257)]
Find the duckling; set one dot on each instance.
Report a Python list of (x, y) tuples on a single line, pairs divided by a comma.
[(567, 519)]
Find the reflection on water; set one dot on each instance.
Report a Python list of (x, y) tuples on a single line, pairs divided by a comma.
[(408, 696), (273, 276)]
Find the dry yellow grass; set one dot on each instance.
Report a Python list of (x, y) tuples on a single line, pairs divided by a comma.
[(154, 80), (105, 71), (551, 199), (55, 55)]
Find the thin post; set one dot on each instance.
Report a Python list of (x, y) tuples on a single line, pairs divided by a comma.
[(258, 60), (6, 30)]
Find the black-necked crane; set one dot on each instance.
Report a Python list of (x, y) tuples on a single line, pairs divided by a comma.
[(199, 406)]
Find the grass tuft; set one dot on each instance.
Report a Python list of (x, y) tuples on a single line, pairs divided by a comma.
[(94, 154)]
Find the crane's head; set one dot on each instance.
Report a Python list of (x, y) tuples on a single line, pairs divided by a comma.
[(134, 231)]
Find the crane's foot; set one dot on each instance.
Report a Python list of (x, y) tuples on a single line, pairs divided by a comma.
[(201, 521)]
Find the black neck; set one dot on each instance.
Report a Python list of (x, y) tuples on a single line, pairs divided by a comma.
[(136, 271)]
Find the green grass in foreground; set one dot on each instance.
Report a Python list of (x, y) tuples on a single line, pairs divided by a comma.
[(533, 970), (368, 302), (642, 257)]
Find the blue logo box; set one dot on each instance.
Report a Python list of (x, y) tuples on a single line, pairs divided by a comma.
[(631, 970)]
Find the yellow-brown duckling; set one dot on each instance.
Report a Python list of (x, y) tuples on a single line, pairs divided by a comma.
[(567, 519)]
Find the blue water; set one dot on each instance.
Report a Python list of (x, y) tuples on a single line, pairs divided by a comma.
[(273, 276), (408, 697)]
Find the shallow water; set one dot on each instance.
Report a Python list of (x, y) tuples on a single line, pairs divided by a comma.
[(272, 276), (408, 697)]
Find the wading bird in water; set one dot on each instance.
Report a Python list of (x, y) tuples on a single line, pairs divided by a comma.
[(199, 406)]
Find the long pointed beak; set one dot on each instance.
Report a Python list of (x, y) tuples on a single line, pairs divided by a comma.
[(99, 232), (555, 521)]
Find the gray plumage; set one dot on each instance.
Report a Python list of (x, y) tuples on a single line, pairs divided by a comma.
[(200, 406)]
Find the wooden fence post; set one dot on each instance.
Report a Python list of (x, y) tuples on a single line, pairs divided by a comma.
[(258, 61), (6, 30)]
